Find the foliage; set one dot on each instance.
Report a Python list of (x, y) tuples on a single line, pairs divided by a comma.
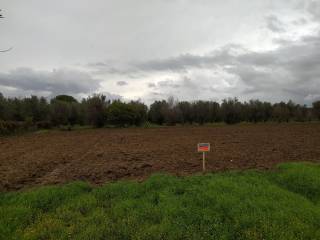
[(60, 112), (157, 112), (237, 205), (231, 111), (43, 125), (97, 111), (66, 98), (316, 109), (124, 114), (9, 127), (140, 112)]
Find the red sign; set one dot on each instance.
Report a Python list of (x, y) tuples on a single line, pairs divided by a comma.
[(203, 147)]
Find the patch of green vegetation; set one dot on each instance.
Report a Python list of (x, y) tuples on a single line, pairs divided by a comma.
[(301, 180), (283, 204)]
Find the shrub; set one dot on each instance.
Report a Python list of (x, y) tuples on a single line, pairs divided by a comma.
[(11, 127), (44, 125)]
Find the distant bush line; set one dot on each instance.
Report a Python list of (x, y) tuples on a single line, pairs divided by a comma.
[(20, 114)]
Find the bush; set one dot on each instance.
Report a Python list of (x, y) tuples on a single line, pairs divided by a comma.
[(44, 125), (11, 127)]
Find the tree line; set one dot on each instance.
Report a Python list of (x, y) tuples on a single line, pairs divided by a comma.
[(98, 111), (230, 111)]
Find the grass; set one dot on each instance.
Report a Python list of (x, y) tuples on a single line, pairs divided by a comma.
[(281, 204)]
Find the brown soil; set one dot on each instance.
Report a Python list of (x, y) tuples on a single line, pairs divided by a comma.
[(102, 155)]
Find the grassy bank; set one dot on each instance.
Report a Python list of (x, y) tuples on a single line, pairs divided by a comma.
[(284, 204)]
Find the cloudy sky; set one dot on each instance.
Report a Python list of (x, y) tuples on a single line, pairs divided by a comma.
[(152, 49)]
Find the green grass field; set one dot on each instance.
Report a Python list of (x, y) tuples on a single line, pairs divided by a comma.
[(280, 204)]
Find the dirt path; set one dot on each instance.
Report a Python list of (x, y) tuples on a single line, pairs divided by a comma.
[(103, 155)]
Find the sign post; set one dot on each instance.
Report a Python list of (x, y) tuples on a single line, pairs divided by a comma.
[(203, 147), (203, 161)]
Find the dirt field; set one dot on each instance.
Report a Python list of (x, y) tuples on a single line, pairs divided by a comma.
[(103, 155)]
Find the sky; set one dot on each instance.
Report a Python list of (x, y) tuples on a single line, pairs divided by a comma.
[(152, 49)]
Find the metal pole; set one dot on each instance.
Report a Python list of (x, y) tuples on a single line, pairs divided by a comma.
[(203, 161)]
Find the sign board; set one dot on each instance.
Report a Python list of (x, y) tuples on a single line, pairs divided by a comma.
[(203, 147)]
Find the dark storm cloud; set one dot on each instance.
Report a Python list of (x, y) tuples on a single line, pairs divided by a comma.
[(107, 68), (151, 85), (168, 83), (180, 64), (294, 69), (195, 49), (54, 82), (301, 21), (290, 71), (314, 8), (174, 64), (274, 24), (184, 62), (122, 83)]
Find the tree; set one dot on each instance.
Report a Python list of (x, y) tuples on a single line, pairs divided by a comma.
[(186, 112), (36, 109), (257, 111), (121, 114), (171, 111), (231, 110), (44, 109), (316, 109), (74, 114), (140, 112), (291, 106), (300, 113), (267, 109), (214, 112), (2, 107), (157, 112), (60, 112), (281, 112), (66, 98), (96, 109), (16, 109), (66, 110), (7, 108), (201, 112)]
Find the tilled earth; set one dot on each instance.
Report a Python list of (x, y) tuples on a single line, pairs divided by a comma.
[(103, 155)]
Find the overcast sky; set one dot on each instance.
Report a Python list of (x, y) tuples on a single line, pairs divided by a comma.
[(152, 49)]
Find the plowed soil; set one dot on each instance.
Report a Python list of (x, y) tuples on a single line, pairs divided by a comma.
[(103, 155)]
